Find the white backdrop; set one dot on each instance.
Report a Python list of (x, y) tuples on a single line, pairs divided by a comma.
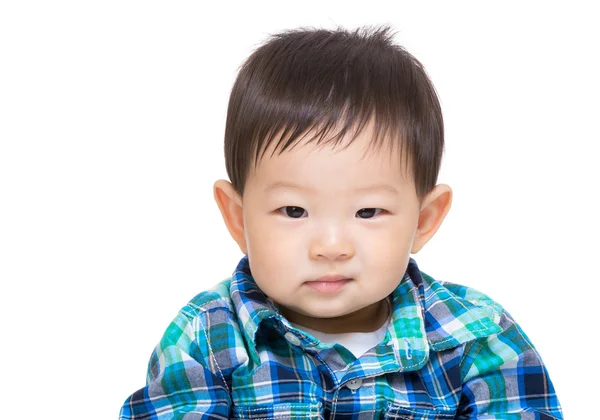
[(112, 117)]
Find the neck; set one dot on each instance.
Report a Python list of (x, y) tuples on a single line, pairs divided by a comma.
[(367, 319)]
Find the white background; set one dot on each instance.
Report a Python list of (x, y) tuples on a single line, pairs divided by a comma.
[(112, 117)]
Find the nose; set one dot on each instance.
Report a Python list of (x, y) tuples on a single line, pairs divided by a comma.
[(331, 245)]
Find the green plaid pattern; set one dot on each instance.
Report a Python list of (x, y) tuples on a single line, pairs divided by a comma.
[(450, 352)]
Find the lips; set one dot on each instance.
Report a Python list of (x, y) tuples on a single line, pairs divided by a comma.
[(329, 283), (331, 278)]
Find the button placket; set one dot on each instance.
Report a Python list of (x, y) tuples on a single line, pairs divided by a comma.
[(354, 384), (292, 339)]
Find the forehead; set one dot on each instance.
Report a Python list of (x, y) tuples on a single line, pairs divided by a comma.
[(355, 163)]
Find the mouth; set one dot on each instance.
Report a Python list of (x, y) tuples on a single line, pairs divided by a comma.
[(328, 286)]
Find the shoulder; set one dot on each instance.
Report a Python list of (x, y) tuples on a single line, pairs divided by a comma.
[(501, 371), (480, 300), (476, 298), (217, 298), (486, 311), (456, 314), (459, 298), (212, 312), (207, 329)]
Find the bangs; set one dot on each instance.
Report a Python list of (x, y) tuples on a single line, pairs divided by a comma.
[(320, 86), (286, 134)]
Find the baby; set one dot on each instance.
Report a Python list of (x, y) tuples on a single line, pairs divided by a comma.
[(333, 145)]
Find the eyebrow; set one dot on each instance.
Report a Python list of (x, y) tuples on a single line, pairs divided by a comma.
[(283, 184)]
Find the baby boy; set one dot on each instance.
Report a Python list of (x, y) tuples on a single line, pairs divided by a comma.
[(333, 144)]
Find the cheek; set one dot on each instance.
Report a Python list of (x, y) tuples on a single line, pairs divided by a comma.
[(271, 273), (386, 246), (272, 235), (270, 245)]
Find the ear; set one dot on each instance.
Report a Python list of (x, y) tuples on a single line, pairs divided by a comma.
[(436, 204), (230, 205)]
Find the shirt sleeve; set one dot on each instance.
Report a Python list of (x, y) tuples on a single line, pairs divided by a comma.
[(504, 378), (179, 380)]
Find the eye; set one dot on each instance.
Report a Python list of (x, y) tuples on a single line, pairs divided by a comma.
[(296, 212), (369, 211), (290, 211)]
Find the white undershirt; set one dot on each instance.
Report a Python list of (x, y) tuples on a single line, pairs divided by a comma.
[(357, 342)]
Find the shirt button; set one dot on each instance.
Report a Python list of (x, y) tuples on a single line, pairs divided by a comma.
[(289, 336), (354, 384)]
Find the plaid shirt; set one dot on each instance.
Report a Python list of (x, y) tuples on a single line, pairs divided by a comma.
[(450, 352)]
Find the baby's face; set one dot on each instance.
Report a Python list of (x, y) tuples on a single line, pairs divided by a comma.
[(332, 222)]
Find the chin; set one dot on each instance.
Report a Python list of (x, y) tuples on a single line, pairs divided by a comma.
[(325, 313)]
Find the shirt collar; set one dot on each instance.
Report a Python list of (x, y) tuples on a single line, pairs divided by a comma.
[(426, 315)]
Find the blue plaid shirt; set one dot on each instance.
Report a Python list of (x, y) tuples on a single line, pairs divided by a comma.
[(450, 352)]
